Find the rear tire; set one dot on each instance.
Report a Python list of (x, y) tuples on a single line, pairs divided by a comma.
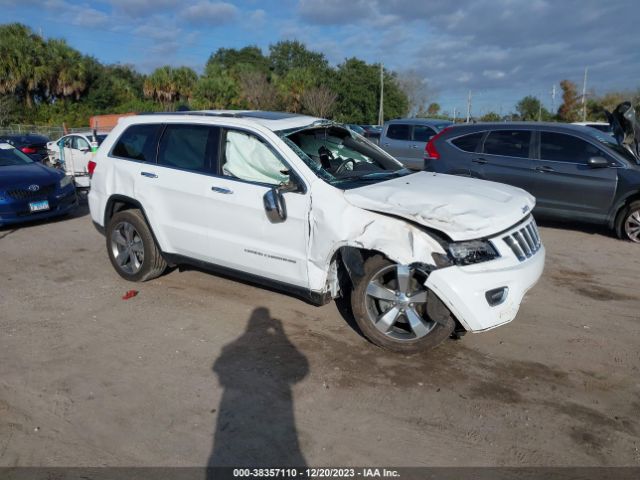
[(390, 304), (132, 249), (628, 224)]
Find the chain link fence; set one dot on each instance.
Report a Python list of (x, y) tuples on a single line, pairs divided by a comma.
[(51, 131)]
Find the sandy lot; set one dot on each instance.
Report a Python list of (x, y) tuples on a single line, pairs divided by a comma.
[(199, 369)]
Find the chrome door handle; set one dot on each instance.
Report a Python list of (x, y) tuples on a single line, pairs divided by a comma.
[(481, 161), (226, 191), (544, 169), (148, 174)]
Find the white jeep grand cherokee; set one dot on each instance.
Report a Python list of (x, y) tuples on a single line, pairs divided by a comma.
[(312, 208)]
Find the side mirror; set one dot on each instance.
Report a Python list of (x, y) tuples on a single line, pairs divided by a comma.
[(598, 162), (275, 206)]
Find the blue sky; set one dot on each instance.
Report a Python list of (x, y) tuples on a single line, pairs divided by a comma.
[(501, 50)]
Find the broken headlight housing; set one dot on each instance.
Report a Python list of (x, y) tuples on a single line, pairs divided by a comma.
[(473, 251)]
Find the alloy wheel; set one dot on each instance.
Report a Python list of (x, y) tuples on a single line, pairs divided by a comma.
[(396, 301), (632, 226), (127, 248)]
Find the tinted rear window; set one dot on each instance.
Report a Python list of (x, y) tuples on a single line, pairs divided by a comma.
[(422, 133), (508, 143), (468, 143), (397, 131), (566, 148), (188, 146), (138, 142)]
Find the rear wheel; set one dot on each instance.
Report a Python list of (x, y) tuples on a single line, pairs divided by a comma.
[(390, 305), (132, 249), (629, 224)]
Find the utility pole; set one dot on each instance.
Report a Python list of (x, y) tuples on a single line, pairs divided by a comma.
[(540, 109), (381, 111), (553, 99), (584, 96), (455, 114), (469, 107)]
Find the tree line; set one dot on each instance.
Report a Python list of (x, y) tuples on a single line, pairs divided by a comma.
[(45, 81)]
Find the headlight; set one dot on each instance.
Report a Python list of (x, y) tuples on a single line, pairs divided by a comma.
[(474, 251), (65, 181)]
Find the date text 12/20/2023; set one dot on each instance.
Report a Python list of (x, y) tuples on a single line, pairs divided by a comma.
[(315, 473)]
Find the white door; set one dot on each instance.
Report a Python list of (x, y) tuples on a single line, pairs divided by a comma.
[(176, 191), (80, 156), (242, 236), (65, 146)]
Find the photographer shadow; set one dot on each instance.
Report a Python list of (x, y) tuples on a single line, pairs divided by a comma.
[(255, 424)]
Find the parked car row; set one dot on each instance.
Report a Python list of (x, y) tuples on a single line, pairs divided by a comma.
[(575, 173), (420, 255), (31, 144), (30, 190), (73, 153), (579, 172)]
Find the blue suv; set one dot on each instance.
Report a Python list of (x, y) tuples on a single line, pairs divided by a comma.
[(30, 190)]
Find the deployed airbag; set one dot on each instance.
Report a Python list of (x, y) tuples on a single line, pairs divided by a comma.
[(250, 159)]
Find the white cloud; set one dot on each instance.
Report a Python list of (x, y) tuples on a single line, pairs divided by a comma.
[(210, 13)]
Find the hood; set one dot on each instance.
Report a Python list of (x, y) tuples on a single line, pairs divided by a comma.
[(463, 208), (29, 173), (626, 127)]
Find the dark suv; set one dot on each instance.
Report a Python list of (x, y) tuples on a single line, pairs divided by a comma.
[(574, 172)]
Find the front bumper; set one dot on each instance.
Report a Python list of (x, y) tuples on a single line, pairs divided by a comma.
[(463, 289), (61, 203)]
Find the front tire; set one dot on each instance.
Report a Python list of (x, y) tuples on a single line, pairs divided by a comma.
[(390, 305), (132, 249), (629, 223)]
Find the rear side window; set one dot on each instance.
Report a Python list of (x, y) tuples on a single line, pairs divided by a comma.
[(509, 143), (398, 131), (189, 147), (566, 148), (138, 142), (422, 133), (468, 143)]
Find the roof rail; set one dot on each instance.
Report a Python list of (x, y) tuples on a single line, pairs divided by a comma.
[(195, 114)]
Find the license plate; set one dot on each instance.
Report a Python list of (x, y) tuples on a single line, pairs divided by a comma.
[(39, 206)]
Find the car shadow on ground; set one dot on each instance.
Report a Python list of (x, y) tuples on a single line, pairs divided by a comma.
[(255, 424)]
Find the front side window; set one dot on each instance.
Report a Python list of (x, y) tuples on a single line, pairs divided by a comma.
[(246, 157), (189, 147), (468, 143), (341, 157), (398, 131), (508, 143), (422, 133), (79, 143), (138, 142), (566, 148)]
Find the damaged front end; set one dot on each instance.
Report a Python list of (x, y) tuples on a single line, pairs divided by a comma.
[(626, 127)]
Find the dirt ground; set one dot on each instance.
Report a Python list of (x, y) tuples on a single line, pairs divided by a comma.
[(198, 369)]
